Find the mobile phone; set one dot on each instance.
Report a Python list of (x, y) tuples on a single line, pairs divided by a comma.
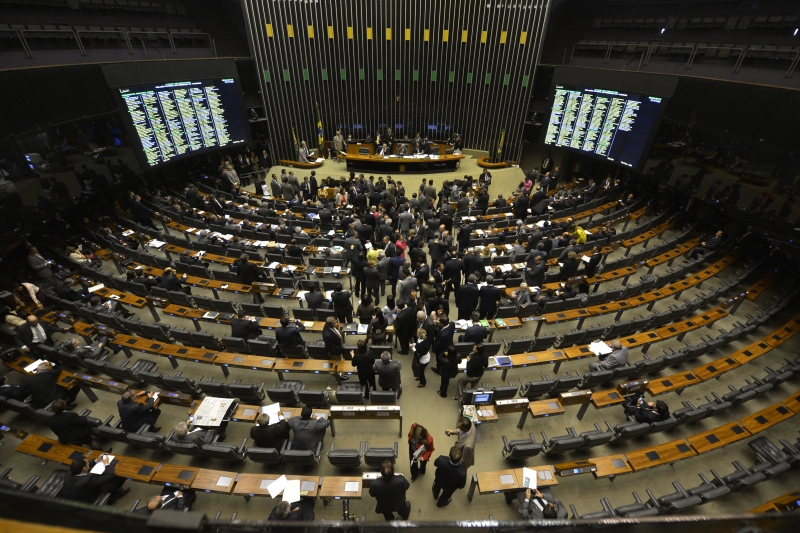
[(191, 418)]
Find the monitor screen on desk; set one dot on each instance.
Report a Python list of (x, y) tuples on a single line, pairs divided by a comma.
[(482, 397)]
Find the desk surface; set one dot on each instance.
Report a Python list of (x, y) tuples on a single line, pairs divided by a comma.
[(544, 408), (766, 418), (240, 360), (50, 449), (718, 437), (675, 450), (214, 481), (257, 484), (610, 465), (176, 475), (333, 487)]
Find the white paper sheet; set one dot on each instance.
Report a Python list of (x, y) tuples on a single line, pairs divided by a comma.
[(100, 466), (351, 486), (529, 478), (291, 493), (277, 486), (33, 366), (600, 348)]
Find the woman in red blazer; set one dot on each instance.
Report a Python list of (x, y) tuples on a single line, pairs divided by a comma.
[(418, 437)]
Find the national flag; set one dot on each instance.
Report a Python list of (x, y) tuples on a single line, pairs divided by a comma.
[(499, 154), (296, 144), (320, 136)]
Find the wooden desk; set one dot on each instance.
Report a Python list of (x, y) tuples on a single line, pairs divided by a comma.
[(766, 418), (249, 485), (781, 335), (365, 412), (332, 488), (675, 450), (640, 339), (305, 366), (51, 450), (122, 297), (715, 368), (644, 458), (783, 503), (240, 360), (127, 342), (541, 409), (793, 402), (759, 287), (65, 379), (671, 383), (130, 467), (748, 353), (718, 437), (214, 481), (197, 355), (197, 281), (411, 165), (606, 398), (610, 466), (508, 480), (175, 475), (245, 413)]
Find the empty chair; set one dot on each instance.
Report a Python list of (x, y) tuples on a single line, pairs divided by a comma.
[(252, 309), (153, 378), (607, 512), (533, 389), (228, 452), (263, 347), (206, 340), (285, 392), (317, 351), (678, 501), (181, 384), (52, 486), (144, 438), (592, 379), (345, 457), (690, 413), (373, 457), (571, 337), (663, 425), (247, 392), (504, 392), (383, 397), (214, 388), (300, 457), (301, 313), (267, 456), (109, 432), (628, 430), (235, 344), (740, 478), (223, 306), (561, 444), (708, 491), (183, 336), (543, 342), (345, 395), (516, 346), (274, 311), (596, 437), (636, 510), (563, 384), (316, 399), (520, 449)]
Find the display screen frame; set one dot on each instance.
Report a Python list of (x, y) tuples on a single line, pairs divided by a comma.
[(120, 91)]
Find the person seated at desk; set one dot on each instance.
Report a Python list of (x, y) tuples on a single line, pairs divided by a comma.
[(170, 499), (80, 485), (265, 435), (645, 412), (706, 247), (548, 296), (288, 335), (89, 351), (536, 505), (522, 296), (71, 428), (109, 307), (44, 389), (315, 299), (384, 150), (197, 436), (474, 333), (134, 414), (170, 281), (566, 292), (294, 250), (244, 328), (307, 433), (618, 357), (302, 511), (402, 149), (12, 391), (148, 281)]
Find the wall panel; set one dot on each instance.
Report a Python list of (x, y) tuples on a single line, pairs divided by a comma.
[(411, 66)]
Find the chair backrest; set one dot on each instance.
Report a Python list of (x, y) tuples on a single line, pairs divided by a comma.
[(263, 348), (282, 396), (375, 456), (316, 399), (269, 456), (345, 458), (274, 311), (302, 313), (382, 397), (247, 392), (349, 397), (235, 344), (221, 450)]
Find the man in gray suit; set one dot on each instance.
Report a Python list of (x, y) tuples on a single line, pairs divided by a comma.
[(40, 265), (405, 287), (287, 190), (535, 505), (406, 220), (294, 183), (302, 154), (522, 296), (307, 432), (389, 373), (618, 357)]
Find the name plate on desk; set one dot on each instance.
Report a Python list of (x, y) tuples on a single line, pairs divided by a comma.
[(632, 387), (382, 411), (510, 406), (576, 398)]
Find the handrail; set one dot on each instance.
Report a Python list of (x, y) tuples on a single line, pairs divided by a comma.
[(21, 40), (210, 40), (80, 45), (147, 32), (121, 32)]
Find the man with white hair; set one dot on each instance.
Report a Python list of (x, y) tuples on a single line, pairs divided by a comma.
[(617, 357)]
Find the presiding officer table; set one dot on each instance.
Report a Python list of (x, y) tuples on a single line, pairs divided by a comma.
[(409, 164)]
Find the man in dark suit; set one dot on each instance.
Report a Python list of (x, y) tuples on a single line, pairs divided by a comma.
[(473, 264), (269, 436), (475, 333), (315, 299), (534, 276), (170, 281), (467, 298), (43, 386), (80, 485), (490, 297), (706, 247), (590, 267), (244, 328), (185, 434), (390, 492), (645, 412), (389, 374), (248, 272), (450, 476), (452, 275), (445, 336), (33, 332), (71, 428), (521, 207), (302, 511), (148, 281), (170, 499), (134, 414), (307, 432), (404, 326), (342, 304), (288, 335)]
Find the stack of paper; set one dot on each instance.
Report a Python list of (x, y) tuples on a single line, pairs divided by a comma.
[(33, 366), (274, 264), (529, 478), (600, 348), (274, 412), (100, 466), (337, 269)]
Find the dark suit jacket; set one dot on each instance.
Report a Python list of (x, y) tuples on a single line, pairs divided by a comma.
[(388, 374), (87, 487), (390, 493), (333, 342), (452, 270), (307, 433), (467, 297), (449, 475), (204, 436), (290, 336), (14, 391), (244, 329), (248, 272), (43, 386), (534, 276), (134, 415), (70, 428), (270, 436), (590, 268), (570, 268), (315, 299), (171, 283), (490, 295), (475, 334), (444, 339), (24, 335), (405, 322), (341, 303)]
